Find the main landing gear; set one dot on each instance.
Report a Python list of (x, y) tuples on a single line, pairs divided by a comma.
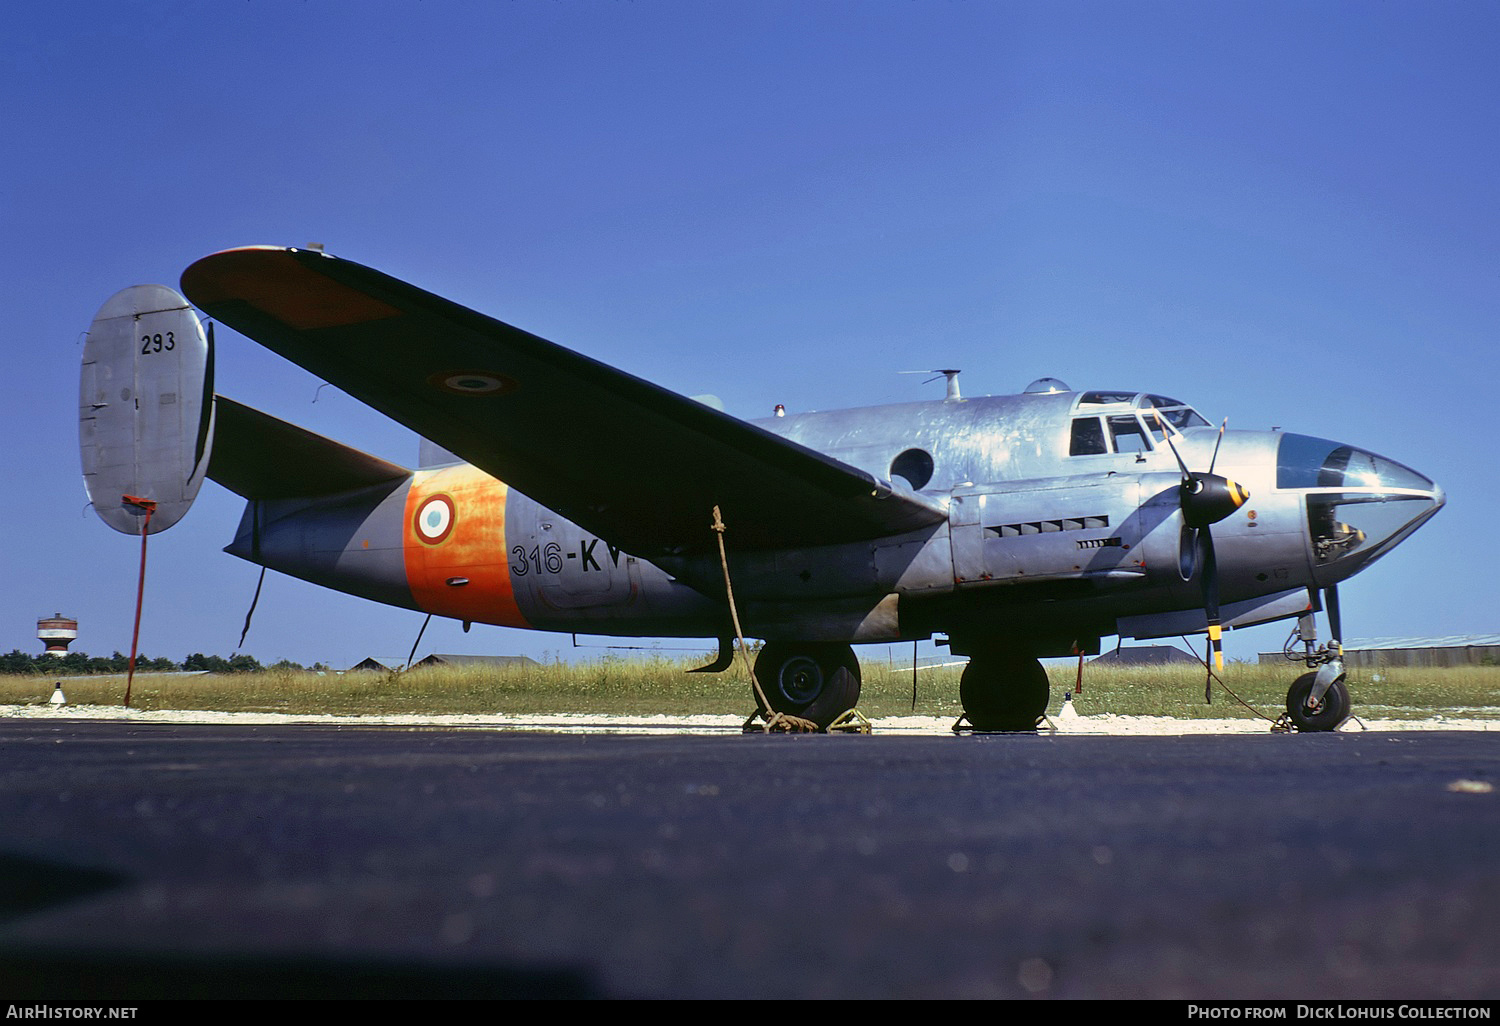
[(1003, 690), (816, 681)]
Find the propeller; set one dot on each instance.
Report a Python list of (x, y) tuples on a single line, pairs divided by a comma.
[(1205, 499)]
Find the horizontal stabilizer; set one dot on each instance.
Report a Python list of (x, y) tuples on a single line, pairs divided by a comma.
[(259, 457)]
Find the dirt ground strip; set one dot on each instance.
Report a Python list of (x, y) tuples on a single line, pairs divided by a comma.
[(1071, 723)]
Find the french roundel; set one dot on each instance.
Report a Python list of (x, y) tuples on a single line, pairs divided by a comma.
[(435, 519), (477, 383)]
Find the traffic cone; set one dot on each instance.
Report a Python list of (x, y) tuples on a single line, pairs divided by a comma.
[(58, 698), (1067, 712)]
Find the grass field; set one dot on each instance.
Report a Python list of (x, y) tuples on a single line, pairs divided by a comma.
[(652, 686)]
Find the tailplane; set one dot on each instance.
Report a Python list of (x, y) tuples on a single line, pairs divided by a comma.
[(258, 456)]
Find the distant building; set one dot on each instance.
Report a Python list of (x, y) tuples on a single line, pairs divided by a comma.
[(378, 664), (1143, 655), (57, 632), (437, 659), (1452, 650)]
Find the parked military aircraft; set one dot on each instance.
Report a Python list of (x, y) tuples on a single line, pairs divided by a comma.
[(557, 493)]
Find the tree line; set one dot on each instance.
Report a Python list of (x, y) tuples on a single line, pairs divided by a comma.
[(79, 664)]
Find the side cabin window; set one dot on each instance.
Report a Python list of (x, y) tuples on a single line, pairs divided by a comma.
[(1128, 434), (1125, 435), (1088, 437)]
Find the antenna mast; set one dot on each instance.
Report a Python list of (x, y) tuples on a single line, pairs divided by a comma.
[(952, 376)]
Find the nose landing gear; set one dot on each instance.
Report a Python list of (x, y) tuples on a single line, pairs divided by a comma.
[(1318, 713), (1319, 700)]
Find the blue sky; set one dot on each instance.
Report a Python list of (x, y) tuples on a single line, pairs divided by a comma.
[(1284, 213)]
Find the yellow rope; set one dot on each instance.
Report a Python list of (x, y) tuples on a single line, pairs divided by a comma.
[(777, 720), (1277, 725)]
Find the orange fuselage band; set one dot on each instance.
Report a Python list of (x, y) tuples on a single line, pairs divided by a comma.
[(456, 559)]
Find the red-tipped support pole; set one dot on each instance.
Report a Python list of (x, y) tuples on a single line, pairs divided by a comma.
[(140, 588)]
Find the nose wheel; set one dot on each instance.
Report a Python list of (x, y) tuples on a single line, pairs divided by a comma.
[(1308, 712)]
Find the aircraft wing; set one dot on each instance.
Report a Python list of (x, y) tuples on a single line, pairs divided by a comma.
[(619, 456)]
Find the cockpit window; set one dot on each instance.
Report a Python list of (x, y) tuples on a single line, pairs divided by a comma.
[(1174, 411), (1159, 415), (1183, 417), (1088, 437), (1128, 434), (1105, 398)]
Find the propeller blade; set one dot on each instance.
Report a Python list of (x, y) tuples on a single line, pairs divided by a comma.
[(1335, 617), (1218, 442), (1210, 584), (1206, 499), (1187, 474)]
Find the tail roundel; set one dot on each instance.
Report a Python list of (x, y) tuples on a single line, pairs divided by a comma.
[(145, 408)]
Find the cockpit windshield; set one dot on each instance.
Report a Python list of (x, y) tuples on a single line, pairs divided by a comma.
[(1136, 416), (1175, 412)]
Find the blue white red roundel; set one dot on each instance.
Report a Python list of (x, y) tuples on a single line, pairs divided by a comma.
[(435, 519)]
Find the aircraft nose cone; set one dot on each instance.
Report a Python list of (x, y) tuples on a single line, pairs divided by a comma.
[(1359, 505)]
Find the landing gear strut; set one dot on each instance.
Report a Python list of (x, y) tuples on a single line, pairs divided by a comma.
[(1002, 689), (818, 682)]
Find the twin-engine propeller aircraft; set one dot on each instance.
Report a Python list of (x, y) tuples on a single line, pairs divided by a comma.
[(557, 493)]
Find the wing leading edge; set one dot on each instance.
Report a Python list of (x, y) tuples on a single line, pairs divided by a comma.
[(621, 457)]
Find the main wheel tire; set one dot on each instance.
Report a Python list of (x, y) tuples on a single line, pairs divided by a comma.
[(1003, 692), (819, 682), (1325, 715)]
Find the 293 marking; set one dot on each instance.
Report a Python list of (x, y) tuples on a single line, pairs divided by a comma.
[(157, 343)]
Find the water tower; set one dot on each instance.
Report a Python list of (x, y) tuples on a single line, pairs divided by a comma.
[(57, 632)]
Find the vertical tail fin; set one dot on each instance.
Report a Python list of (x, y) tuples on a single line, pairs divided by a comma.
[(145, 407)]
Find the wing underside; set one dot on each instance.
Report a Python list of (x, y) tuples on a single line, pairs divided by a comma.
[(621, 457)]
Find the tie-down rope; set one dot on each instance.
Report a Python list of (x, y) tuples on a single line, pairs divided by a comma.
[(776, 720)]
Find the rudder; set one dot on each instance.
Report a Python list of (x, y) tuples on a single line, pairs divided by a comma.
[(145, 407)]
